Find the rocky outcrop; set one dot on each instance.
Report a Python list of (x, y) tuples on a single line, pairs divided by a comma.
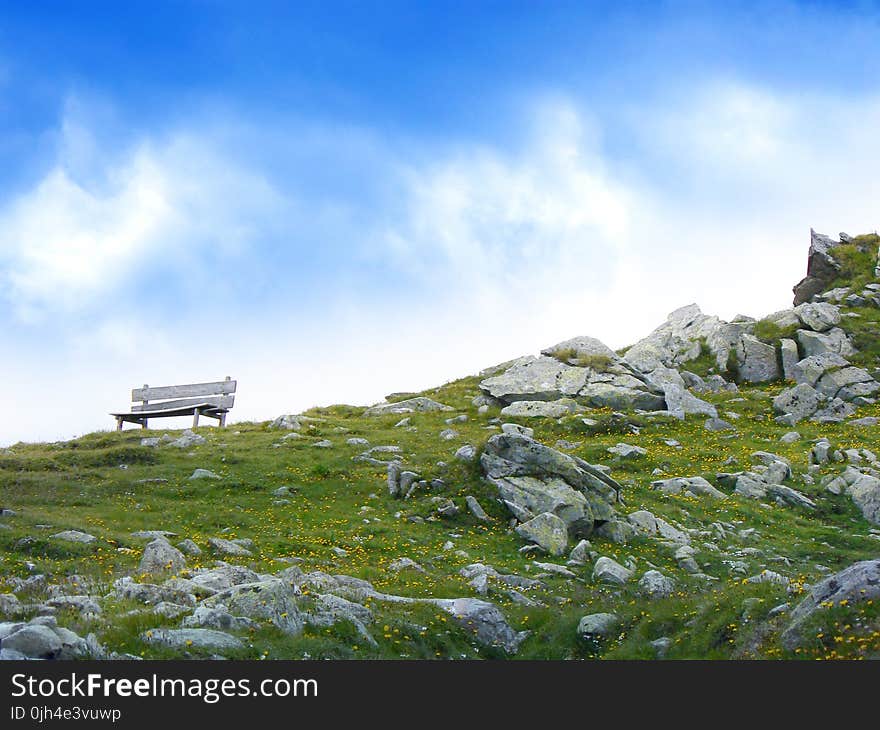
[(822, 269), (419, 404), (534, 480)]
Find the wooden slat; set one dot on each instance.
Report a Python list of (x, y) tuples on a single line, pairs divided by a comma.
[(223, 387), (219, 401)]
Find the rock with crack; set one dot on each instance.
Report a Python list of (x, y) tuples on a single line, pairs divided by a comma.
[(756, 360), (797, 403), (273, 600), (865, 494), (819, 317), (608, 570), (532, 479), (597, 625), (835, 341)]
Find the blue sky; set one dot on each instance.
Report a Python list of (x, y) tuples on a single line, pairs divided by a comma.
[(332, 201)]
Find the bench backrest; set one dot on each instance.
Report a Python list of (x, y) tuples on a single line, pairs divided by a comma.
[(216, 395)]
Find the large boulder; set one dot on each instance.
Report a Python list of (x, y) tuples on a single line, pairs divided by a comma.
[(273, 600), (822, 269), (818, 343), (855, 584), (484, 620), (799, 402), (865, 493), (547, 531), (819, 316), (756, 360), (205, 639), (533, 479), (161, 557)]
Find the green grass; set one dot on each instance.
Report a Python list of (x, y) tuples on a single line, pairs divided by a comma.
[(96, 484)]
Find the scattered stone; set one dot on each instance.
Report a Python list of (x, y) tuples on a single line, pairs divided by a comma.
[(654, 584), (476, 509), (718, 424), (610, 571), (405, 564), (187, 440), (228, 547), (206, 639), (597, 625), (204, 474), (466, 453), (410, 405), (161, 557), (75, 536), (626, 451), (188, 547), (547, 531)]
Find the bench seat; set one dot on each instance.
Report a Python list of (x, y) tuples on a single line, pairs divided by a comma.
[(206, 404)]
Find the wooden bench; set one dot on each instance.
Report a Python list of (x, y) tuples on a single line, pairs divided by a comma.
[(197, 399)]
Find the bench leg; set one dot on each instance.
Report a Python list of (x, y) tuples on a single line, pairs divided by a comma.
[(118, 423), (144, 423), (222, 420), (196, 418)]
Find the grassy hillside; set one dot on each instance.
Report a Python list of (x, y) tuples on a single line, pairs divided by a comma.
[(109, 485)]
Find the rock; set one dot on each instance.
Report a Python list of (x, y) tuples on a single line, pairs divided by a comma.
[(419, 404), (847, 383), (626, 451), (518, 430), (865, 494), (654, 584), (357, 441), (818, 317), (857, 583), (680, 402), (272, 600), (790, 437), (835, 411), (615, 531), (405, 564), (529, 379), (822, 269), (718, 424), (581, 349), (756, 361), (228, 547), (34, 641), (204, 474), (834, 341), (448, 434), (867, 421), (580, 553), (444, 507), (150, 442), (394, 479), (810, 369), (160, 557), (541, 409), (799, 402), (217, 618), (695, 486), (547, 531), (289, 422), (75, 536), (788, 353), (466, 453), (597, 625), (187, 440), (207, 639), (790, 496), (223, 576), (476, 509), (484, 620), (323, 444), (610, 571), (533, 478)]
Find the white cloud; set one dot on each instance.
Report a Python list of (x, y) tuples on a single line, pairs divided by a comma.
[(498, 251)]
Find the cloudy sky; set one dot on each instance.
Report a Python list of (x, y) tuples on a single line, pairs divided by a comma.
[(330, 201)]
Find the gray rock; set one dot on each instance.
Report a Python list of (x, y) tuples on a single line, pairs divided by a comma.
[(847, 383), (679, 401), (187, 440), (204, 474), (788, 352), (583, 349), (790, 437), (654, 584), (476, 509), (597, 625), (834, 341), (616, 531), (273, 600), (205, 617), (756, 360), (466, 453), (801, 401), (75, 536), (448, 434), (857, 583), (357, 441), (419, 404), (610, 571), (150, 442), (867, 421), (811, 368), (626, 451), (865, 494), (516, 429), (541, 409), (208, 639), (323, 444), (695, 486), (484, 620), (228, 547), (405, 564), (818, 317), (718, 424), (790, 496), (580, 553), (34, 641), (161, 557), (547, 531)]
